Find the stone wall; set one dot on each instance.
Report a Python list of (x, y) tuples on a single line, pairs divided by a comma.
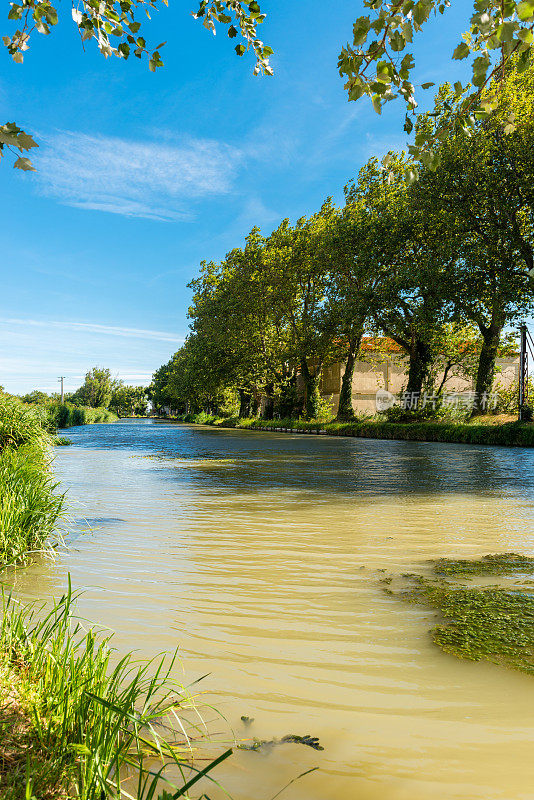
[(391, 374)]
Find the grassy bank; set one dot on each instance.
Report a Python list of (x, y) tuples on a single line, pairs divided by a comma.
[(66, 415), (30, 505), (508, 434), (74, 725)]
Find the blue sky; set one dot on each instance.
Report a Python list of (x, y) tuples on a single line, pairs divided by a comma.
[(141, 175)]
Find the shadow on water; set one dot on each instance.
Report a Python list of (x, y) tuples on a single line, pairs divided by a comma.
[(252, 461)]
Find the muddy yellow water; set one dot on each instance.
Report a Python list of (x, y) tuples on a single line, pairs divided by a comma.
[(260, 556)]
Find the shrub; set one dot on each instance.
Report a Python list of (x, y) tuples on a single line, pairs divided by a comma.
[(22, 424), (508, 396)]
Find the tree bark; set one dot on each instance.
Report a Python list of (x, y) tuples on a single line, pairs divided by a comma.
[(345, 411), (244, 403), (268, 411), (491, 337), (419, 369), (255, 404), (311, 390)]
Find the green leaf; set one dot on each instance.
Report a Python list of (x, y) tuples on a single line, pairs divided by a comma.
[(377, 103), (360, 29), (25, 141), (411, 174), (525, 10), (421, 12), (356, 91), (525, 35), (427, 85), (15, 12), (240, 49), (397, 42), (462, 51)]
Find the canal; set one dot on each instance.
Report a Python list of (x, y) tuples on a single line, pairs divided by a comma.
[(260, 555)]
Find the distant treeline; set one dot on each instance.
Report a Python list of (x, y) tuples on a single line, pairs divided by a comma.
[(436, 259), (100, 398)]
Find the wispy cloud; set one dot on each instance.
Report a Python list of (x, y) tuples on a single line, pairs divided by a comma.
[(34, 352), (90, 327), (135, 178)]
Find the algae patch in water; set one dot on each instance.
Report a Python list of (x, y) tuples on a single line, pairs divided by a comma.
[(494, 623), (492, 564)]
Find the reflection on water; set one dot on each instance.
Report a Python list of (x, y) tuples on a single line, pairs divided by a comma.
[(261, 555)]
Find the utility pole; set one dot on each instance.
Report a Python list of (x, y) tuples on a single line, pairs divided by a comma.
[(523, 371), (60, 380)]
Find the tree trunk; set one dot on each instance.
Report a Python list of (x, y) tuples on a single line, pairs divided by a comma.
[(289, 402), (491, 337), (345, 410), (268, 411), (244, 403), (420, 362), (312, 396)]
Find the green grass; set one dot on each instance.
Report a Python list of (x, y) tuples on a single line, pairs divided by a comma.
[(511, 434), (30, 505), (66, 415), (61, 441), (22, 424), (76, 724)]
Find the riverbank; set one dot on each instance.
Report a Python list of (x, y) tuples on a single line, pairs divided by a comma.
[(483, 431), (66, 415), (30, 504), (71, 722)]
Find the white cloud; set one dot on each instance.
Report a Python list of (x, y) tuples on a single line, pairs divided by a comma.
[(138, 179), (90, 327), (34, 352)]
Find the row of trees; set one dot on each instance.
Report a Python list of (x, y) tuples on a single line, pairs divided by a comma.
[(100, 390), (416, 260)]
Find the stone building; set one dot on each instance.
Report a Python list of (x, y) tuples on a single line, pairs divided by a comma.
[(387, 370)]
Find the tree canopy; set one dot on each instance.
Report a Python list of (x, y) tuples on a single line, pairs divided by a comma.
[(378, 63), (441, 266)]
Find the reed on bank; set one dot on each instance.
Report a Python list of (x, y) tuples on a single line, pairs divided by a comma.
[(67, 415), (76, 725), (30, 504)]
